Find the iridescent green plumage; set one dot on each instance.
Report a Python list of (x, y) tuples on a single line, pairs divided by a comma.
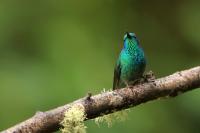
[(130, 64)]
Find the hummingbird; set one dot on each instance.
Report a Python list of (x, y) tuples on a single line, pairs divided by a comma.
[(131, 63)]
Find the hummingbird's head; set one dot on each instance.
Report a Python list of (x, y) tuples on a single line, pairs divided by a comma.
[(130, 40), (129, 36)]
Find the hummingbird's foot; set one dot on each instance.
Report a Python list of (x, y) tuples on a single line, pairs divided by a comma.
[(137, 81), (149, 77)]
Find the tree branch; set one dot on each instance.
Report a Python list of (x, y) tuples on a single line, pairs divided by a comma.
[(108, 102)]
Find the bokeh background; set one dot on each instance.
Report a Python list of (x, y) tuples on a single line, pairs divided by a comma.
[(55, 51)]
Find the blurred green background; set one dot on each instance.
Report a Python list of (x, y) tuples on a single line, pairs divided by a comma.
[(55, 51)]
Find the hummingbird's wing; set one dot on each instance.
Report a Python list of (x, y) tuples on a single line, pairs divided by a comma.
[(117, 73)]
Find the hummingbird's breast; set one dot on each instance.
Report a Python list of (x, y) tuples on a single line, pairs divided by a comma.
[(133, 65)]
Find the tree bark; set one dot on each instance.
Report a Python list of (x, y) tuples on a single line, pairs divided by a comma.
[(108, 102)]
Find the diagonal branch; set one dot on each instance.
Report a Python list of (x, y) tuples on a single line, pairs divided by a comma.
[(107, 102)]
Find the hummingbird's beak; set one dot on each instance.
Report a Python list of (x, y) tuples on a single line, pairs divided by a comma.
[(128, 35)]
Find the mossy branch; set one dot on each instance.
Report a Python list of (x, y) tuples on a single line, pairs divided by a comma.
[(112, 101)]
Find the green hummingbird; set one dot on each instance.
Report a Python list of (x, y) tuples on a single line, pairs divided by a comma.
[(131, 63)]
